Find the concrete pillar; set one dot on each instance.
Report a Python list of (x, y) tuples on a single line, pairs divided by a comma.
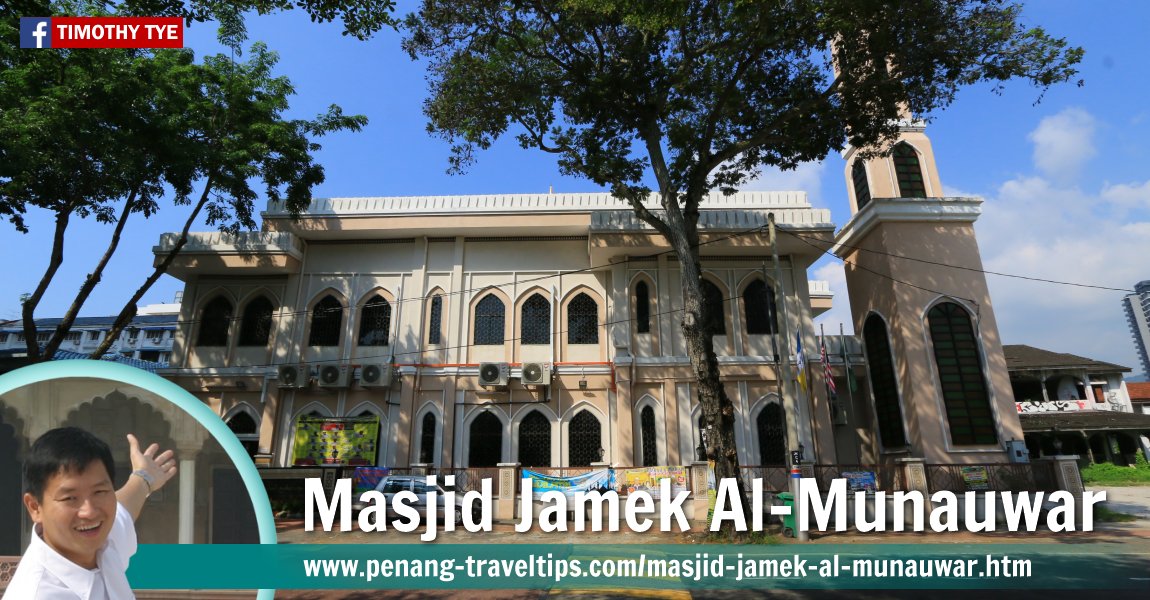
[(505, 504), (700, 474), (421, 469), (914, 475), (187, 512), (1070, 479)]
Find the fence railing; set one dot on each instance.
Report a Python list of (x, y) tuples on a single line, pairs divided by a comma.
[(1002, 477), (775, 479), (887, 477)]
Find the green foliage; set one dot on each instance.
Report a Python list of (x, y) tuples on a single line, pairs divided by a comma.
[(1112, 474), (1105, 515)]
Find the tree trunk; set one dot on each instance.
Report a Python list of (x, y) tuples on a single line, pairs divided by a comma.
[(28, 308)]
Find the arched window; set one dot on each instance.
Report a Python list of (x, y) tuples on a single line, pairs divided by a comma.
[(647, 431), (215, 320), (535, 440), (435, 320), (375, 322), (485, 447), (256, 326), (908, 171), (536, 320), (883, 383), (642, 308), (489, 321), (772, 429), (244, 427), (427, 439), (960, 373), (326, 321), (713, 299), (862, 187), (586, 445), (582, 320), (759, 308)]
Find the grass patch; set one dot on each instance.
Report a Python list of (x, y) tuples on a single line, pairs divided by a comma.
[(1105, 515), (752, 537), (1109, 474)]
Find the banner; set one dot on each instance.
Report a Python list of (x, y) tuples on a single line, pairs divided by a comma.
[(366, 478), (647, 479), (600, 479), (335, 441)]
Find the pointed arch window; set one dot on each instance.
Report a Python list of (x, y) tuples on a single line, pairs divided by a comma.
[(883, 383), (648, 436), (908, 171), (536, 321), (427, 439), (485, 446), (256, 326), (586, 445), (489, 313), (434, 322), (326, 321), (961, 376), (771, 425), (375, 322), (861, 185), (244, 427), (535, 440), (642, 308), (713, 299), (582, 320), (215, 320), (759, 308)]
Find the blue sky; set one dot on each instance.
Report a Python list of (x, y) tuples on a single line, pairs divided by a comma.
[(1066, 182)]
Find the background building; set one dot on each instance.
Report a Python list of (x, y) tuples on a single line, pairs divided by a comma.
[(1137, 307)]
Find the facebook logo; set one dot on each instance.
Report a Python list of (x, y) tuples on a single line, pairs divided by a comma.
[(35, 32)]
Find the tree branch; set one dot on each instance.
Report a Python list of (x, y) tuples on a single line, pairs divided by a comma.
[(55, 259)]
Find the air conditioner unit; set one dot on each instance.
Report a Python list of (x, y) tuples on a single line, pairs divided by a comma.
[(494, 374), (333, 375), (375, 375), (293, 376), (839, 414), (536, 374)]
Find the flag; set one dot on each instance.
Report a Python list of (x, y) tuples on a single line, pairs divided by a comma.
[(852, 383), (801, 362), (827, 375)]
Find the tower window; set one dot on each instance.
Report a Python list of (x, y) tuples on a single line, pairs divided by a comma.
[(861, 185), (961, 376), (883, 383), (908, 171)]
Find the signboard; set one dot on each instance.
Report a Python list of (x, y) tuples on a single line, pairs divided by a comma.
[(860, 481), (976, 478), (366, 478), (595, 480), (335, 441), (647, 479)]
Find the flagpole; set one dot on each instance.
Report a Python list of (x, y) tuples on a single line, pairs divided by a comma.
[(850, 383)]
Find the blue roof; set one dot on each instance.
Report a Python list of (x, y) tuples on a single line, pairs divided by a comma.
[(145, 365), (140, 321)]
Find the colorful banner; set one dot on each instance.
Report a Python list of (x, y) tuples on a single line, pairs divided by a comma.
[(335, 441), (366, 478), (976, 478), (647, 479), (860, 481), (601, 479)]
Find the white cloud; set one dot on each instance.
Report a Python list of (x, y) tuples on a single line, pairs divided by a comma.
[(1063, 143), (1130, 195), (806, 177), (832, 272)]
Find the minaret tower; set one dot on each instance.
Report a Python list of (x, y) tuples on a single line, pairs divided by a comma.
[(940, 388)]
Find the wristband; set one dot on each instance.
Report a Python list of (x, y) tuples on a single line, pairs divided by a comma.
[(146, 477)]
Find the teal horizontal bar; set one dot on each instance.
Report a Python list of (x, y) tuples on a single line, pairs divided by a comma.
[(537, 566)]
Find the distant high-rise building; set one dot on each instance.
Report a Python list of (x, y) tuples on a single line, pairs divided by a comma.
[(1138, 314)]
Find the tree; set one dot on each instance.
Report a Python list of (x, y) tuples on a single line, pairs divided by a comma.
[(107, 134), (698, 95)]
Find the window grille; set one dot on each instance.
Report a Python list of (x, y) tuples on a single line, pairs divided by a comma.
[(714, 321), (759, 308), (960, 373), (642, 308), (215, 319), (536, 320), (586, 440), (326, 321), (908, 171), (256, 326), (772, 429), (375, 322), (883, 383), (582, 320), (486, 441), (489, 314), (535, 440), (434, 321), (647, 431), (427, 439), (862, 187)]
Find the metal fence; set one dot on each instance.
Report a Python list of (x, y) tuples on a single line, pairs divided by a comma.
[(1008, 477), (887, 477), (775, 479)]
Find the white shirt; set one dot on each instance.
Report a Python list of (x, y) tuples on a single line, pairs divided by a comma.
[(44, 574)]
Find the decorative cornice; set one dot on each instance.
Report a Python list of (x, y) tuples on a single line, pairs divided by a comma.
[(719, 220), (904, 210), (245, 242)]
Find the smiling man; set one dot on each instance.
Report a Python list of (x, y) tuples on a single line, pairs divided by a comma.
[(85, 530)]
